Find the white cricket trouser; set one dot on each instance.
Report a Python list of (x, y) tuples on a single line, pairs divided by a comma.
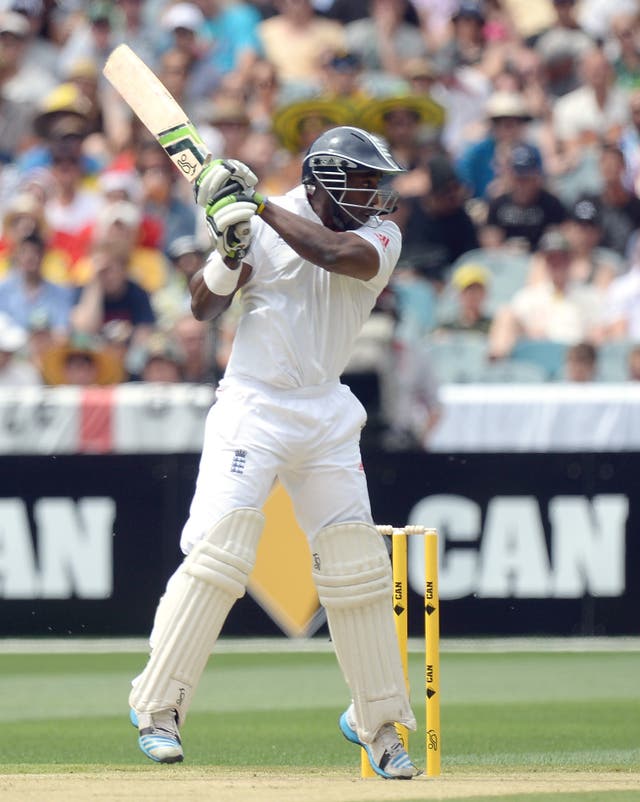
[(309, 439)]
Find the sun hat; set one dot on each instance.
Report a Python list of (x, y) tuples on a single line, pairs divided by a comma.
[(109, 369), (288, 119), (372, 113)]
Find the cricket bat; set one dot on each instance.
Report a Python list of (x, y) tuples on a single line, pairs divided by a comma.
[(158, 110)]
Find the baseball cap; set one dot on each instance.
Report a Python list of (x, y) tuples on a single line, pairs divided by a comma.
[(468, 274), (526, 159), (183, 15), (585, 210)]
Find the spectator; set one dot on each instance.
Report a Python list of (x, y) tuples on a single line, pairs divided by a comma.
[(161, 360), (341, 77), (581, 363), (557, 310), (120, 223), (229, 122), (181, 73), (595, 15), (23, 215), (25, 292), (561, 48), (590, 262), (173, 300), (81, 361), (466, 45), (410, 125), (132, 29), (296, 126), (436, 225), (479, 163), (93, 38), (42, 46), (61, 126), (195, 340), (232, 30), (626, 64), (630, 144), (72, 206), (188, 53), (295, 39), (84, 76), (111, 295), (14, 370), (22, 80), (416, 297), (161, 200), (435, 21), (597, 109), (619, 206), (384, 39), (621, 315), (471, 282), (413, 405), (527, 208), (263, 94)]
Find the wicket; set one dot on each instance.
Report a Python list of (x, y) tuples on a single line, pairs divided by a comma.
[(432, 636)]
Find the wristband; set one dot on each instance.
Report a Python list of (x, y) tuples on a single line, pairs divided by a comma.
[(220, 279)]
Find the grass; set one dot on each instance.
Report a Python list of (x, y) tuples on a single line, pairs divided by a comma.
[(500, 713)]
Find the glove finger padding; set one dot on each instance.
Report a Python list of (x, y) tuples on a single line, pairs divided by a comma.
[(219, 173), (231, 214), (232, 227)]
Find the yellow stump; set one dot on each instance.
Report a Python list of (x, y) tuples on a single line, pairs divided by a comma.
[(432, 637), (432, 652)]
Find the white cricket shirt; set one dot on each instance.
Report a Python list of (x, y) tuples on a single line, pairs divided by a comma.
[(298, 322)]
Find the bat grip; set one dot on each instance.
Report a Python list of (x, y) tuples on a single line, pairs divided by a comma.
[(231, 188)]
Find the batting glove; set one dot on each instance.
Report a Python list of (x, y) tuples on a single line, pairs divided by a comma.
[(220, 174), (229, 221)]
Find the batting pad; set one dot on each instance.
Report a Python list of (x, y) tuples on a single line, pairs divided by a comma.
[(352, 573), (194, 608)]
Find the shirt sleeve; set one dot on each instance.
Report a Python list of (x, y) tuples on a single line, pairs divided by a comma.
[(387, 240)]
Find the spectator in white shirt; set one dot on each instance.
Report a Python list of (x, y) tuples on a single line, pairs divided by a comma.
[(557, 309)]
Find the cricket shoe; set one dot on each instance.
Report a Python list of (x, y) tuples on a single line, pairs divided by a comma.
[(158, 735), (386, 754)]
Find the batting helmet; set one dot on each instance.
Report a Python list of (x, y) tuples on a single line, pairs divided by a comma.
[(345, 150)]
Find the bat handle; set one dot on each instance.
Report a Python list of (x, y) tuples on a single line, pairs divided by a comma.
[(232, 188)]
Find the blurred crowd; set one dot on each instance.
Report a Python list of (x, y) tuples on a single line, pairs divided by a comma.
[(518, 122)]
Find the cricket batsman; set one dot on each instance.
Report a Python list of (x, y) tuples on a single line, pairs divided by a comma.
[(310, 265)]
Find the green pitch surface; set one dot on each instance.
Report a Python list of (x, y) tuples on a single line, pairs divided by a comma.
[(564, 725)]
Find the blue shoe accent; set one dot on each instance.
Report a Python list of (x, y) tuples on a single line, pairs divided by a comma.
[(158, 744), (153, 745), (399, 761)]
